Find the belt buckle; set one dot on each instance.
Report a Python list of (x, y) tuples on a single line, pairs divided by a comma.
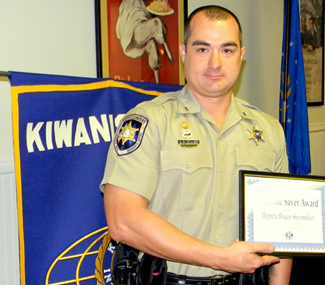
[(218, 280)]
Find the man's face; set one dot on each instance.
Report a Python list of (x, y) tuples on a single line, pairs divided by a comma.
[(213, 56)]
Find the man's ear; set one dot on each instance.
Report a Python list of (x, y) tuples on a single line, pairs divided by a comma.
[(182, 50), (242, 51)]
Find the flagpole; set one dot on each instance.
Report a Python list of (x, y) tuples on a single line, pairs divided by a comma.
[(4, 73), (286, 62)]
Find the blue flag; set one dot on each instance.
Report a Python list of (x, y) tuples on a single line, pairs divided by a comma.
[(63, 127), (293, 108)]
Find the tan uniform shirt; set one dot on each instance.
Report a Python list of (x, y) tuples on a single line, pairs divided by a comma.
[(188, 169)]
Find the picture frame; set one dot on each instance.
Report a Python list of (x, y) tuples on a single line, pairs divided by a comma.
[(285, 210), (131, 52), (312, 39)]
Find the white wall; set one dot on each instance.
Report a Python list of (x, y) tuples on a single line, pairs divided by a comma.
[(41, 36), (54, 37)]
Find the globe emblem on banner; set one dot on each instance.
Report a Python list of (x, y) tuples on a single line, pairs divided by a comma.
[(85, 262)]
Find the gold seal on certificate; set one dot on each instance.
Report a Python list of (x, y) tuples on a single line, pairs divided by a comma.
[(285, 210)]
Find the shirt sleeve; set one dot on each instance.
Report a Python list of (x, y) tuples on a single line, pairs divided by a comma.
[(137, 170)]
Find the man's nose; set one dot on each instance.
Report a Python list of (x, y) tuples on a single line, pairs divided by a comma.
[(215, 60)]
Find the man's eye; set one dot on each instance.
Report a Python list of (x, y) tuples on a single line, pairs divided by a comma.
[(201, 50), (227, 51)]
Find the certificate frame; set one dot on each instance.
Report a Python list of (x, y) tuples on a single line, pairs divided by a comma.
[(291, 217), (118, 63)]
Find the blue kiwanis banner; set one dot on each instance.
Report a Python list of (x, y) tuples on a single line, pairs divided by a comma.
[(63, 127)]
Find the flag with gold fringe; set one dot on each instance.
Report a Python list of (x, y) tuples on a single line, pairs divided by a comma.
[(293, 102), (63, 127)]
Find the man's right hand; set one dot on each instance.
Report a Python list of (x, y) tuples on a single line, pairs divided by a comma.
[(245, 257)]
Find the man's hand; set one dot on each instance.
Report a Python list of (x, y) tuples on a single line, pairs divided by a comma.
[(242, 257)]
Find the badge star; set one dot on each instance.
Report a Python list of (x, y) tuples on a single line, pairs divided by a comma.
[(256, 135), (127, 134)]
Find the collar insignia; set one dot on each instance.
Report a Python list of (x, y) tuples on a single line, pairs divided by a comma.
[(256, 135)]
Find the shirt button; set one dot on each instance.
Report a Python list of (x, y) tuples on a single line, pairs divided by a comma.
[(220, 205), (216, 238), (259, 163), (189, 165), (222, 170)]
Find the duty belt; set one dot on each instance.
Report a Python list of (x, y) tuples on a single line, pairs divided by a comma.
[(232, 279), (259, 277)]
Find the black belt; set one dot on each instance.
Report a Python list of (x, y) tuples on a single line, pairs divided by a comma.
[(232, 279)]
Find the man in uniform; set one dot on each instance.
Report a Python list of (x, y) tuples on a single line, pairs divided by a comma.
[(171, 178)]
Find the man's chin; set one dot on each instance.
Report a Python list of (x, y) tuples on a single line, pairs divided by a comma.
[(216, 93), (217, 89)]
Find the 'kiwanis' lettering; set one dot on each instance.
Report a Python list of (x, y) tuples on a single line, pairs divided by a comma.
[(70, 133)]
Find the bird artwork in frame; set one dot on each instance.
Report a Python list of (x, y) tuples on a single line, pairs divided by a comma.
[(138, 40)]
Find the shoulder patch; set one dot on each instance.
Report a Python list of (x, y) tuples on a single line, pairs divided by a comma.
[(129, 134)]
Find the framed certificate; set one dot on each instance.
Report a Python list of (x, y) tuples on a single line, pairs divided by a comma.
[(285, 210)]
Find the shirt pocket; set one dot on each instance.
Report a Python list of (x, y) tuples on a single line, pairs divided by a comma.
[(186, 178), (254, 159)]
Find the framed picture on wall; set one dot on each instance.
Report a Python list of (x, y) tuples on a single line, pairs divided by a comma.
[(139, 40), (312, 39)]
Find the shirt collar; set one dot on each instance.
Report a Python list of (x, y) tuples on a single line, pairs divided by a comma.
[(243, 109), (187, 103), (238, 109)]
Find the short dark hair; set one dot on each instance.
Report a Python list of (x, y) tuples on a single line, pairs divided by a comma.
[(212, 12)]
